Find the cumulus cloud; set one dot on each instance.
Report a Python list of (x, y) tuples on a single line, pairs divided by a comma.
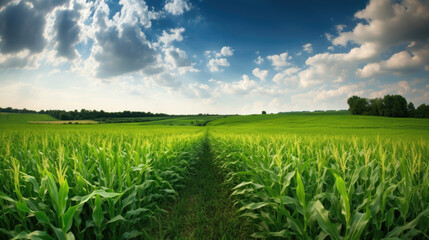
[(21, 28), (174, 35), (177, 7), (308, 48), (120, 46), (259, 60), (219, 59), (401, 87), (215, 63), (388, 23), (67, 33), (279, 61), (287, 77), (226, 51), (399, 63), (197, 90), (261, 74), (242, 87)]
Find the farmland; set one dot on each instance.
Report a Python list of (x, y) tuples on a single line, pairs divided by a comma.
[(299, 176)]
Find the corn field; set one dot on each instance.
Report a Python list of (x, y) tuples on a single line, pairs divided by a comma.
[(90, 184), (319, 187), (112, 183)]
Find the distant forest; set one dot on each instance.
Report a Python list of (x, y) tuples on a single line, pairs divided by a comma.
[(388, 106)]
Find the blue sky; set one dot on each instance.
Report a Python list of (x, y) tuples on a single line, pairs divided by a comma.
[(226, 57)]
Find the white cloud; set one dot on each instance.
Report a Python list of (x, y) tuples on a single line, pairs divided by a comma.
[(215, 63), (279, 61), (308, 48), (219, 58), (401, 87), (259, 60), (389, 23), (287, 77), (261, 74), (226, 51), (242, 87), (177, 7), (174, 35), (398, 63)]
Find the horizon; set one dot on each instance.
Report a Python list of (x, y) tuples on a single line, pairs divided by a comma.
[(217, 57)]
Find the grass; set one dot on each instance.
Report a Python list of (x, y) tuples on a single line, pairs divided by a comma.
[(10, 118), (294, 176), (204, 209), (65, 122)]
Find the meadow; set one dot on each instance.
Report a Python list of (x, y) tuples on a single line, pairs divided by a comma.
[(293, 176)]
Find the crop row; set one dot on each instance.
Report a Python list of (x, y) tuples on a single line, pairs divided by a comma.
[(318, 187), (90, 184)]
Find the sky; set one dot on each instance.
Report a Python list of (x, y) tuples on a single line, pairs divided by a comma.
[(211, 56)]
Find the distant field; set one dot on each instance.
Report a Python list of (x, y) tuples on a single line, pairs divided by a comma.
[(326, 124), (196, 120), (65, 122), (24, 117)]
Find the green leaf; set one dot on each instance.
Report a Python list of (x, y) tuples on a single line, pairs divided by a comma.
[(358, 224), (397, 231), (97, 214), (63, 196), (53, 191), (322, 218), (22, 206), (5, 197), (42, 217), (68, 217), (36, 235), (345, 203), (253, 206), (300, 190), (59, 233), (117, 218)]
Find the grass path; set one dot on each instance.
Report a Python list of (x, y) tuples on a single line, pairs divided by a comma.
[(203, 210)]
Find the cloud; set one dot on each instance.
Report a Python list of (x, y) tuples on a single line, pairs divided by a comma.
[(176, 57), (287, 77), (67, 33), (308, 48), (399, 63), (401, 87), (259, 60), (242, 87), (279, 61), (226, 51), (21, 29), (261, 74), (197, 90), (219, 59), (215, 63), (387, 23), (120, 46), (174, 35), (177, 7)]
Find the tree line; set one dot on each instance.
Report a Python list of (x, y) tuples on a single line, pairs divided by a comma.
[(388, 106), (84, 114)]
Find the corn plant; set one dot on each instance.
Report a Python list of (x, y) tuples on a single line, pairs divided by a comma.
[(310, 187)]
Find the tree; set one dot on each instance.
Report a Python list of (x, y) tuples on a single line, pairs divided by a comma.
[(395, 106), (376, 107), (411, 110), (264, 112), (422, 111), (357, 105)]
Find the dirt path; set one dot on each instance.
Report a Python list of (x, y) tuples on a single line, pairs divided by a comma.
[(204, 210)]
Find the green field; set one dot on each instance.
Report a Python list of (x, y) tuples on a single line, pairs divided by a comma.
[(325, 175)]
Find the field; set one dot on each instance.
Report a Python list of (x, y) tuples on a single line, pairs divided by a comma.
[(293, 176)]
